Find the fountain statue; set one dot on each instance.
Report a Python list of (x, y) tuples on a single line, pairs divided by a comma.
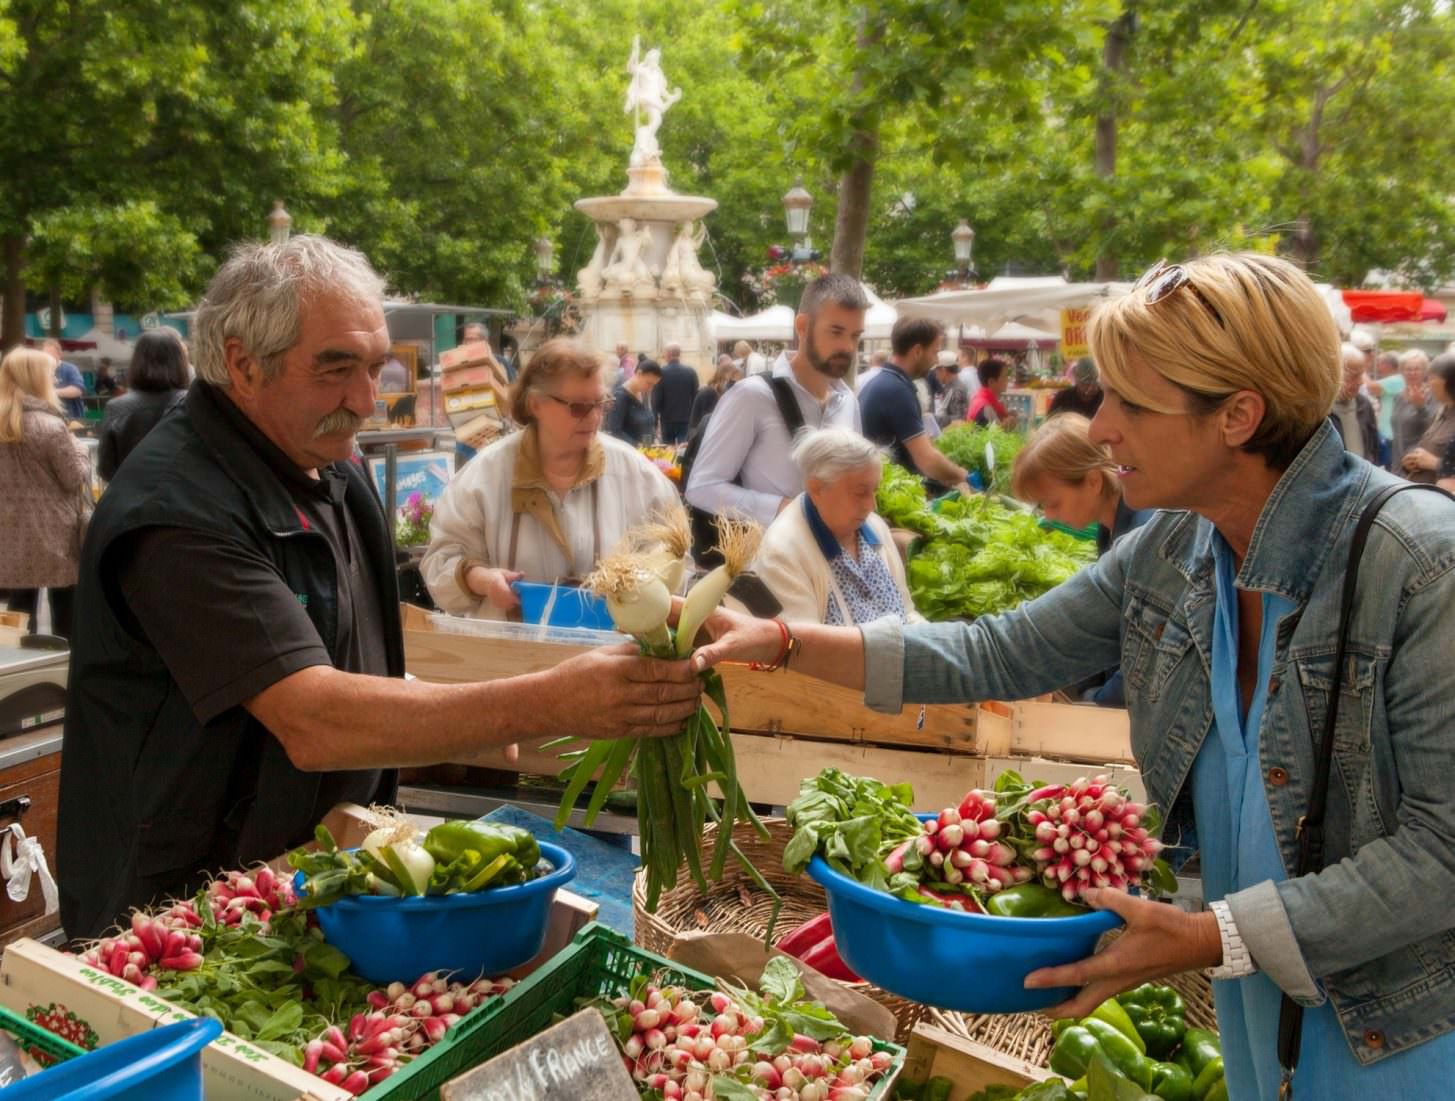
[(644, 285)]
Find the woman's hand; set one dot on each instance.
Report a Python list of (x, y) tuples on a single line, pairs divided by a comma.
[(736, 637), (1419, 459), (494, 586), (1159, 940)]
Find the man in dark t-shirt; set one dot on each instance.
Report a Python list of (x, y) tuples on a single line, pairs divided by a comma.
[(237, 659), (890, 409)]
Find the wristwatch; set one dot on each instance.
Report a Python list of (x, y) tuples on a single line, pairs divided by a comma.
[(1237, 963)]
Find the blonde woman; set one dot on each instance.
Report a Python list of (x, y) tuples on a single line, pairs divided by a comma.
[(545, 503), (1073, 481), (1223, 610), (43, 474)]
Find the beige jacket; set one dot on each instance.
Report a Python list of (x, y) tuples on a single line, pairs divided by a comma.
[(793, 567), (42, 481), (498, 511)]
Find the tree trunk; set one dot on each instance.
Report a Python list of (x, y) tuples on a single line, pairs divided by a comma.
[(851, 225), (1113, 61), (851, 222), (12, 327), (55, 304)]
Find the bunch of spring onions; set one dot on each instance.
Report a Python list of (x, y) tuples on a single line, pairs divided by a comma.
[(673, 774)]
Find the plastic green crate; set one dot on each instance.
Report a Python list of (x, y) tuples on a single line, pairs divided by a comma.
[(1086, 534), (598, 961), (43, 1045)]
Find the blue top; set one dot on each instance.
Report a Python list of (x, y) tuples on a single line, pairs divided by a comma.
[(68, 374), (889, 409), (1239, 849), (862, 589)]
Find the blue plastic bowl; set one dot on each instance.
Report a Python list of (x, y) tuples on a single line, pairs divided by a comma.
[(480, 933), (573, 607), (973, 963), (164, 1064)]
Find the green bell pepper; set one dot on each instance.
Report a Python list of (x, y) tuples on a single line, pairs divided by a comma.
[(470, 856), (1172, 1082), (1202, 1056), (1159, 1016), (1077, 1044), (1112, 1013), (1031, 900)]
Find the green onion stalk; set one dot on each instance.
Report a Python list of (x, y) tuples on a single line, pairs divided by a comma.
[(673, 774)]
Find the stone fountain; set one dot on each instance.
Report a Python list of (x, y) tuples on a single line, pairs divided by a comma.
[(644, 286)]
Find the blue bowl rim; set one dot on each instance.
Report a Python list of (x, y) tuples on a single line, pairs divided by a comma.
[(563, 866), (1093, 922)]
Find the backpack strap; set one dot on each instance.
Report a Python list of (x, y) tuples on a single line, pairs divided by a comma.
[(787, 405)]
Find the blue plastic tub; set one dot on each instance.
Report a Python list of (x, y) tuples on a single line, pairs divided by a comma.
[(481, 933), (573, 607), (164, 1064), (974, 963)]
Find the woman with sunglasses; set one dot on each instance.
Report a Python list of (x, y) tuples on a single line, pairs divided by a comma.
[(1224, 611), (542, 504)]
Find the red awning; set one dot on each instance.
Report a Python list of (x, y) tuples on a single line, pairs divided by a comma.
[(1381, 306)]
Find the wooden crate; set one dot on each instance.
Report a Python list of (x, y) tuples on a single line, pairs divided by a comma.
[(39, 780), (933, 1052), (1047, 727), (762, 703)]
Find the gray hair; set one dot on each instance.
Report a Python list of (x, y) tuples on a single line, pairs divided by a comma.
[(258, 297), (1350, 353), (836, 287), (1414, 358), (827, 454)]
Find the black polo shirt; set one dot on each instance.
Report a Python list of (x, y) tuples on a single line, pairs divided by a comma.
[(890, 412), (225, 623)]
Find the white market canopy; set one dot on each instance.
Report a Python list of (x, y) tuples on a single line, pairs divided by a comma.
[(774, 323), (1006, 300)]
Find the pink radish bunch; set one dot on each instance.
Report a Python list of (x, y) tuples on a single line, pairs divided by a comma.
[(260, 892), (967, 847), (404, 1022), (1089, 834), (152, 943), (678, 1046)]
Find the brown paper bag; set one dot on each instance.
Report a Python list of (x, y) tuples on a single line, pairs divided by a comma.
[(740, 958)]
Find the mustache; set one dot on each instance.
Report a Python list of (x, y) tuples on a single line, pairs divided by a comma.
[(340, 420)]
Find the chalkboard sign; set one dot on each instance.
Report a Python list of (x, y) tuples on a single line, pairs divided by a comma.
[(574, 1059)]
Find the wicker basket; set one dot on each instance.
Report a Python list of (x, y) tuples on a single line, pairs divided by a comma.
[(1028, 1035), (736, 905)]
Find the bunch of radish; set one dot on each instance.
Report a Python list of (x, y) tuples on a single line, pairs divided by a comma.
[(261, 892), (405, 1021), (1089, 833), (961, 848), (154, 942), (679, 1047)]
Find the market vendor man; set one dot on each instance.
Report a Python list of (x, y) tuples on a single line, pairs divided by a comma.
[(1223, 611), (237, 659)]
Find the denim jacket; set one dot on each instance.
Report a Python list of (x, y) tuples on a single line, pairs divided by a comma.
[(1375, 931)]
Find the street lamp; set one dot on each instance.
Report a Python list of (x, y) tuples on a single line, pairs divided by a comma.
[(796, 205), (545, 258), (280, 223), (963, 238)]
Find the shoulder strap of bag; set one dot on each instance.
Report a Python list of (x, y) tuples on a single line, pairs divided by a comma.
[(787, 404), (1311, 825)]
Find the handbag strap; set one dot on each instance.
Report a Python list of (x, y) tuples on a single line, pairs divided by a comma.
[(1311, 825)]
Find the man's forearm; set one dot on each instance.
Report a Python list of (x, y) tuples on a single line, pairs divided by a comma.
[(330, 720), (944, 470)]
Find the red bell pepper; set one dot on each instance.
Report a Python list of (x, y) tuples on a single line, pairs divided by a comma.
[(824, 957), (808, 934)]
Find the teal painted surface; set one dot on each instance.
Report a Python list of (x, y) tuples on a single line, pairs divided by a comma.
[(444, 332), (79, 324)]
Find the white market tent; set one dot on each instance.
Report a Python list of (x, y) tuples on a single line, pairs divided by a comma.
[(774, 323), (1006, 300), (879, 319)]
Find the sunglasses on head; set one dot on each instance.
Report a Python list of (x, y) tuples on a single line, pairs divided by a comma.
[(1163, 279), (583, 409)]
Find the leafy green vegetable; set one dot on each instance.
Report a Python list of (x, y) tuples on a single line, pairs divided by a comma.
[(853, 821), (964, 444)]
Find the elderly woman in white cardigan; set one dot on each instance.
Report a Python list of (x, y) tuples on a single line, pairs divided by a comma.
[(828, 557)]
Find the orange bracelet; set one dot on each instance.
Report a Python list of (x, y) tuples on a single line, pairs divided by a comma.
[(759, 667)]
